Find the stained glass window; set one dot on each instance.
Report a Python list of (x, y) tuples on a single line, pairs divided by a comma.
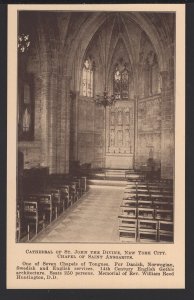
[(26, 108), (117, 84), (87, 79), (125, 84), (121, 83), (25, 91)]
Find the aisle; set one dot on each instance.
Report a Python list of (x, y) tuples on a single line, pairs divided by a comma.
[(94, 218)]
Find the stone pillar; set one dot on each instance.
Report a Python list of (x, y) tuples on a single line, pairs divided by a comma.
[(37, 106), (135, 158), (52, 121), (44, 95), (167, 127), (74, 105), (63, 124)]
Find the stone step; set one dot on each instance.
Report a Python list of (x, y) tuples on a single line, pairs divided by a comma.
[(106, 182), (115, 173), (112, 174)]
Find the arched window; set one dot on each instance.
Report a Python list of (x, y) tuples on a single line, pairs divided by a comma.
[(125, 83), (121, 82), (151, 74), (88, 78), (117, 84)]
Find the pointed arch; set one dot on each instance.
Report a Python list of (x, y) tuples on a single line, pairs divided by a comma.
[(87, 80)]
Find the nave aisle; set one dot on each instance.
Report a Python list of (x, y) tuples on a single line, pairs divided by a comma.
[(94, 218)]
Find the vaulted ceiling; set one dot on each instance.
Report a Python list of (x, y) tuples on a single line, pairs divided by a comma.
[(63, 38)]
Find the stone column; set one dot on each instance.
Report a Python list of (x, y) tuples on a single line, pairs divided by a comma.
[(52, 121), (44, 95), (135, 155), (37, 106), (74, 105), (167, 127), (137, 93), (63, 124)]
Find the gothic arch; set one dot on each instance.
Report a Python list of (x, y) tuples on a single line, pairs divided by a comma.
[(95, 21)]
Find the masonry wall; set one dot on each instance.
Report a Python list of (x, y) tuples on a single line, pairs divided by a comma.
[(90, 139), (149, 130)]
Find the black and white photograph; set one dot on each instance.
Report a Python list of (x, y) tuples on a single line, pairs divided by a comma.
[(95, 126), (95, 146)]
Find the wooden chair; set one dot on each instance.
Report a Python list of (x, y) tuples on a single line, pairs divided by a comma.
[(78, 186), (142, 186), (143, 192), (147, 230), (165, 231), (164, 214), (84, 183), (128, 211), (145, 213), (162, 203), (130, 194), (131, 184), (73, 191), (45, 204), (127, 229), (65, 196), (129, 202), (130, 190), (144, 203), (33, 216), (143, 197), (57, 205)]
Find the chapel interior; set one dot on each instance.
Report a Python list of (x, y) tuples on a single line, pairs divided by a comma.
[(95, 127)]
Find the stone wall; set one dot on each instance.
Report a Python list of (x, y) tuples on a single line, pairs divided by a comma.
[(148, 130), (90, 136)]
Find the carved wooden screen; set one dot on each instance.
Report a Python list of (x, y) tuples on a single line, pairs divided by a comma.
[(120, 132)]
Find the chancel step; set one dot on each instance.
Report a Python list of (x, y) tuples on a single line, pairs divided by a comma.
[(115, 172), (101, 183)]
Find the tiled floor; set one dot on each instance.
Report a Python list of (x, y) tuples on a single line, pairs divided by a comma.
[(94, 218)]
